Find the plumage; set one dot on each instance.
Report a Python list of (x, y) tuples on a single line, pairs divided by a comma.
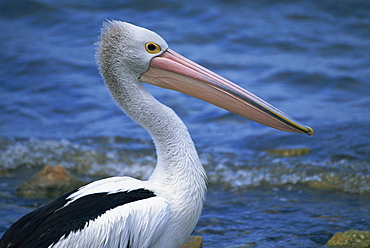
[(163, 210), (57, 220)]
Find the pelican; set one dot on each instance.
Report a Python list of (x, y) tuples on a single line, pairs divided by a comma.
[(163, 210)]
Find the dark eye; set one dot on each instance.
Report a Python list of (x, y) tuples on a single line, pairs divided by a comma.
[(151, 47)]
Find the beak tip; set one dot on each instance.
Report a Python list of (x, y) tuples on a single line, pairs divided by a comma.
[(309, 131)]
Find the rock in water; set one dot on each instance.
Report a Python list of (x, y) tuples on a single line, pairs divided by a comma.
[(193, 242), (289, 152), (352, 238), (50, 182)]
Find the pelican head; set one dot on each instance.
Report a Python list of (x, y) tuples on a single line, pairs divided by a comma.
[(145, 57), (127, 47)]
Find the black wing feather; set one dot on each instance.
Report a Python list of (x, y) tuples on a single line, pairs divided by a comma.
[(48, 224)]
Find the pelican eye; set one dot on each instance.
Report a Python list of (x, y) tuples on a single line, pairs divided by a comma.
[(151, 47)]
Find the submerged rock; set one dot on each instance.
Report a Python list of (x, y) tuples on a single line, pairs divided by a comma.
[(193, 242), (289, 152), (352, 238), (50, 182), (325, 184)]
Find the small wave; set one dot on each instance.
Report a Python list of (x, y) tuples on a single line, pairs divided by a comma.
[(281, 172), (98, 157), (89, 157)]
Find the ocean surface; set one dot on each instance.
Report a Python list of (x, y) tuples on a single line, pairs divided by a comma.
[(309, 58)]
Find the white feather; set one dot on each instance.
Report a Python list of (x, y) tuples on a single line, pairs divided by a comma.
[(139, 223), (107, 185)]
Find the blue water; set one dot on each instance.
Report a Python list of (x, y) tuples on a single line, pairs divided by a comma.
[(309, 58)]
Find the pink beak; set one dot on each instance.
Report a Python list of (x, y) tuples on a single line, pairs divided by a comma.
[(172, 71)]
